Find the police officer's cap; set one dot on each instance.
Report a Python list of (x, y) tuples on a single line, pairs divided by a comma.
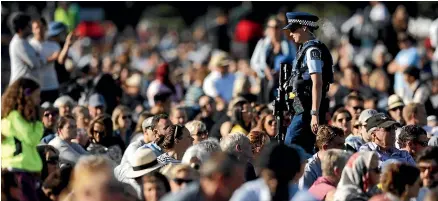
[(301, 18)]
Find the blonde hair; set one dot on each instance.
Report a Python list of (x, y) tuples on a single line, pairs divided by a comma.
[(333, 158), (171, 170), (376, 77), (119, 110), (92, 168), (412, 109), (241, 85), (196, 126)]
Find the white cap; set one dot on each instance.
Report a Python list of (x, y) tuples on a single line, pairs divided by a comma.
[(365, 115)]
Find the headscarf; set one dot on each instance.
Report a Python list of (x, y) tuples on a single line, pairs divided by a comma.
[(351, 185)]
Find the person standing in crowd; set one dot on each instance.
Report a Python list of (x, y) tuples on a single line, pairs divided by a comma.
[(359, 176), (241, 118), (122, 121), (401, 182), (265, 54), (413, 139), (178, 115), (49, 118), (354, 104), (334, 161), (174, 142), (21, 132), (427, 162), (197, 130), (417, 91), (25, 61), (382, 131), (220, 176), (69, 152), (65, 105), (275, 182), (102, 139), (96, 105), (57, 32), (47, 49), (328, 137), (240, 146), (363, 118), (312, 77), (395, 108), (219, 83)]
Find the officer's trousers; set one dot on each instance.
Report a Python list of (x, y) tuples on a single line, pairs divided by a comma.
[(299, 131)]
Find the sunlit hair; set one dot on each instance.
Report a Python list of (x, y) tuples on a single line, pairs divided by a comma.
[(119, 110), (18, 97)]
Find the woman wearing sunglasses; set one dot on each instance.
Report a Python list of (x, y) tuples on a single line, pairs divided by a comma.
[(242, 116), (180, 175), (122, 123), (102, 140)]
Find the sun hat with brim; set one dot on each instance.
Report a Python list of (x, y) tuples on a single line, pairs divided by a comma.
[(143, 162), (55, 28), (380, 121), (395, 101)]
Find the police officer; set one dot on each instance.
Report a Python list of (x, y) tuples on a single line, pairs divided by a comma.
[(312, 75)]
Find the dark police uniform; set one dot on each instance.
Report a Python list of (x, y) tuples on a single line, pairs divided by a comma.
[(312, 57)]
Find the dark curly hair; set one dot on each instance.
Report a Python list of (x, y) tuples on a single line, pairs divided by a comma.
[(171, 137), (18, 97), (326, 134), (410, 133), (397, 176)]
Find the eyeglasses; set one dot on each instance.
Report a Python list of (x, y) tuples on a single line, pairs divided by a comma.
[(431, 169), (181, 181), (376, 170), (47, 114)]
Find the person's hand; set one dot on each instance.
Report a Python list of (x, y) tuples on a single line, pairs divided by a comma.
[(314, 123)]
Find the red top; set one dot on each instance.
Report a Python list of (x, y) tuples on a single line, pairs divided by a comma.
[(247, 30)]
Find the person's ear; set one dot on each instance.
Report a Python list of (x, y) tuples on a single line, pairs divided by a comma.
[(337, 171), (409, 144), (325, 147), (238, 148)]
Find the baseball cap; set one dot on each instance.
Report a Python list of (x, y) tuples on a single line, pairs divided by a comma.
[(394, 101), (96, 100), (380, 120), (147, 123), (47, 106), (365, 115)]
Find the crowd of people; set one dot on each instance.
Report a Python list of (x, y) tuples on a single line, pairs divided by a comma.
[(164, 116)]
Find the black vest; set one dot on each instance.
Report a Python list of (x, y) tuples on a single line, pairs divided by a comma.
[(304, 87)]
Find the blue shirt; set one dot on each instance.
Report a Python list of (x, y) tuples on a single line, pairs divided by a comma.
[(155, 148), (392, 153), (406, 57), (311, 172), (257, 190)]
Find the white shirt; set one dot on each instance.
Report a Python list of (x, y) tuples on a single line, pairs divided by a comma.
[(217, 85), (25, 61), (420, 96), (48, 76), (313, 61)]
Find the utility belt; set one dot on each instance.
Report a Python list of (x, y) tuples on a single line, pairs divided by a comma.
[(301, 95)]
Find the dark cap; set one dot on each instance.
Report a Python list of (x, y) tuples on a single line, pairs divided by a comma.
[(301, 18), (380, 120)]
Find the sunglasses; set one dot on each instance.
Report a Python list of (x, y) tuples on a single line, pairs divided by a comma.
[(358, 108), (396, 108), (126, 117), (181, 181), (99, 132), (47, 114), (53, 160), (376, 170), (271, 122), (294, 28), (340, 120)]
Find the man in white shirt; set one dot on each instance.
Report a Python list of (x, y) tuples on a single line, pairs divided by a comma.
[(417, 91), (220, 82), (48, 77), (25, 62)]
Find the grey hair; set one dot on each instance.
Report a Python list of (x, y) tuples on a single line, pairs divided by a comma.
[(201, 151), (228, 143), (333, 158)]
